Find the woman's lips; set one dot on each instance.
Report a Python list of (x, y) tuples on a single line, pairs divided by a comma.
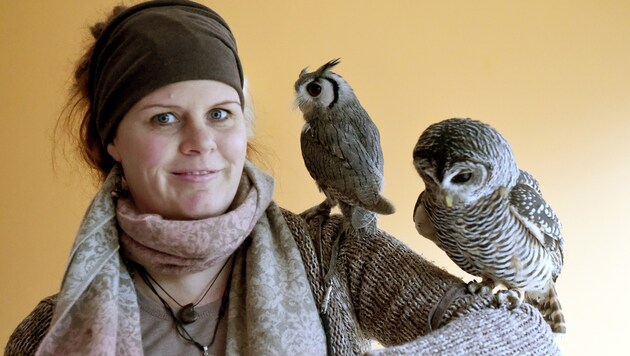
[(200, 175)]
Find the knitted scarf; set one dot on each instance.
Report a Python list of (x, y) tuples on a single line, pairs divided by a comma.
[(271, 307)]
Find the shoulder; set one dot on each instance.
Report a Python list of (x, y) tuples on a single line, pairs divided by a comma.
[(292, 219), (304, 230), (308, 226), (327, 227), (319, 232), (30, 332)]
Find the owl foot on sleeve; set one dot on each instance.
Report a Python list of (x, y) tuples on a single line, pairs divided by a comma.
[(317, 210), (514, 297), (484, 287)]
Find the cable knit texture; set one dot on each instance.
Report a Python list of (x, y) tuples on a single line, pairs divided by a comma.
[(382, 291)]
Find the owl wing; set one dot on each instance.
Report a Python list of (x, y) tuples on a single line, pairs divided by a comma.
[(340, 163), (369, 141), (528, 179), (528, 205)]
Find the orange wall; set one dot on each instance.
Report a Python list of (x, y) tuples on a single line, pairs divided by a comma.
[(551, 76)]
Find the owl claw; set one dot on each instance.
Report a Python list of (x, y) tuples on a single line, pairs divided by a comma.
[(513, 297), (317, 211), (483, 287), (474, 287)]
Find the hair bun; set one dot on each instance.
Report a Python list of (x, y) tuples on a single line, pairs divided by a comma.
[(98, 27)]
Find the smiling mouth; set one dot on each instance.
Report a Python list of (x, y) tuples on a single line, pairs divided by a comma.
[(194, 173)]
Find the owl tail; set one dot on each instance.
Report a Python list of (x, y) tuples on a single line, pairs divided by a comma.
[(551, 310), (383, 206)]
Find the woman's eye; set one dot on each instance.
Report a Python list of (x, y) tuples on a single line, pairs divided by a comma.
[(164, 118), (218, 114)]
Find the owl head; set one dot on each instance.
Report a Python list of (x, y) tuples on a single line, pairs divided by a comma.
[(462, 161), (321, 91)]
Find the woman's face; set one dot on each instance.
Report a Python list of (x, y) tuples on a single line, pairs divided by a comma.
[(182, 149)]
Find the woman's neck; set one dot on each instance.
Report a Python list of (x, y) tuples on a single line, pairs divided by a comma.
[(189, 288)]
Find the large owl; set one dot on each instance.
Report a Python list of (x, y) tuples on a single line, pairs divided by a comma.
[(341, 147), (488, 215)]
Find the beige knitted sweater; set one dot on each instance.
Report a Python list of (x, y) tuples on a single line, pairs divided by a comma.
[(381, 291)]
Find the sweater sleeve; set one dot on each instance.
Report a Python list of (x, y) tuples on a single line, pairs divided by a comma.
[(490, 331), (394, 291), (28, 335)]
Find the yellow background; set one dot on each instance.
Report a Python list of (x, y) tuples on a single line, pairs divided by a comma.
[(552, 76)]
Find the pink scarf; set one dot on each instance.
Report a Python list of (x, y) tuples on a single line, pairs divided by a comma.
[(180, 246)]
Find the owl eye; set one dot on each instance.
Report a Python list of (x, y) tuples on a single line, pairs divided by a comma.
[(314, 89), (461, 178)]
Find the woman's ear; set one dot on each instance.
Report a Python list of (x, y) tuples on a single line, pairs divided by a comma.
[(113, 151)]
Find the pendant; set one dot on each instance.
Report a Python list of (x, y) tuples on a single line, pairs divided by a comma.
[(188, 314)]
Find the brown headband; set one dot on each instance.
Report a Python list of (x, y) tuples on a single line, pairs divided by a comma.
[(154, 44)]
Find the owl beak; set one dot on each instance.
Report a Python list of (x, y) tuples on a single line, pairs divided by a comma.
[(448, 199)]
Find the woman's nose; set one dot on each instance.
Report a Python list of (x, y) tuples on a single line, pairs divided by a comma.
[(198, 138)]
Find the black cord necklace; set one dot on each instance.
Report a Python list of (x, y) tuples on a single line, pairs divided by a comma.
[(179, 325), (187, 314)]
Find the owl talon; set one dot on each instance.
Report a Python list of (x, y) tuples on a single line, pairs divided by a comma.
[(317, 211), (513, 297), (483, 287), (473, 287)]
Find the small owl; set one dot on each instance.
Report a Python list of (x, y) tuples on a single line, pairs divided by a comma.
[(341, 147), (488, 215)]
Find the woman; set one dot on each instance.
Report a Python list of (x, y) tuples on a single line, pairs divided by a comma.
[(183, 251)]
